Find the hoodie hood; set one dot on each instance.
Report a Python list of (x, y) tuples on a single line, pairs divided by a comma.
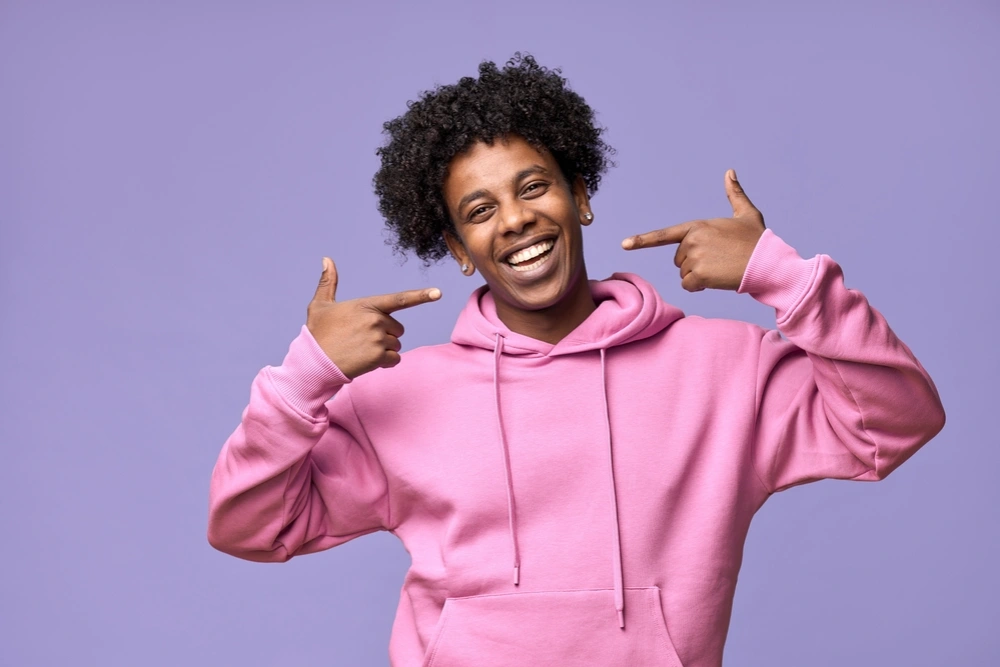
[(628, 309)]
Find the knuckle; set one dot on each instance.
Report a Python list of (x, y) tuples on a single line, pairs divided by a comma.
[(694, 281)]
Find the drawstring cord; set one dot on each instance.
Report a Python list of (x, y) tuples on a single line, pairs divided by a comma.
[(511, 514), (619, 583), (511, 511)]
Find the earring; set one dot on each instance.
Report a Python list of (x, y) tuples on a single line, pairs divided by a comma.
[(589, 216), (466, 269)]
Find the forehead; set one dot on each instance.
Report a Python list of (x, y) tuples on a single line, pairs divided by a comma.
[(492, 166)]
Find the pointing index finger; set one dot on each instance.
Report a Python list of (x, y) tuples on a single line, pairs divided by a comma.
[(390, 303), (666, 236)]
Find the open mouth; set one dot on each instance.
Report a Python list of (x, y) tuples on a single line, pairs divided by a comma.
[(531, 257)]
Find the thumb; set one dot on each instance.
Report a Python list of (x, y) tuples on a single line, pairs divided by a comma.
[(737, 197), (327, 289)]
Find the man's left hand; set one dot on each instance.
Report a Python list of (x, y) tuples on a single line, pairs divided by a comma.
[(711, 253)]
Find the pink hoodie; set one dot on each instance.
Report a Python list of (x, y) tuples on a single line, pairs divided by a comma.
[(584, 503)]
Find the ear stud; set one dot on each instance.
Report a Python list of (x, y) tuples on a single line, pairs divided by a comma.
[(589, 216)]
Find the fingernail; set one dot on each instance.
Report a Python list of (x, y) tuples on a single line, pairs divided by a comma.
[(434, 293), (628, 243), (732, 175)]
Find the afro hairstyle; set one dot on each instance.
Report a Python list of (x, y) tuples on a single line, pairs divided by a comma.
[(522, 99)]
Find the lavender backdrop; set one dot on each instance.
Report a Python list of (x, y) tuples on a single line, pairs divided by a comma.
[(170, 177)]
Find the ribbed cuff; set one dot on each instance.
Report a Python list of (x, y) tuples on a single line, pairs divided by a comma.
[(307, 378), (776, 275)]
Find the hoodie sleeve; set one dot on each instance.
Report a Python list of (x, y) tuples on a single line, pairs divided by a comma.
[(842, 397), (298, 474)]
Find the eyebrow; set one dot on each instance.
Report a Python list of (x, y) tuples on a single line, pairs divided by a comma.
[(534, 169)]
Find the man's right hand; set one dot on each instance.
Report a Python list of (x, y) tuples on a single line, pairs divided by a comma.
[(359, 335)]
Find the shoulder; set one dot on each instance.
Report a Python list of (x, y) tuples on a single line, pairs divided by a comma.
[(715, 331), (707, 342)]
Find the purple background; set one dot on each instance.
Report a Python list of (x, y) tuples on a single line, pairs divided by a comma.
[(171, 176)]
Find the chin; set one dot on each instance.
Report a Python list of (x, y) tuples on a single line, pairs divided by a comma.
[(542, 298)]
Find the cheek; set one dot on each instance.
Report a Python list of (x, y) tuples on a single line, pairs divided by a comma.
[(477, 245), (563, 210)]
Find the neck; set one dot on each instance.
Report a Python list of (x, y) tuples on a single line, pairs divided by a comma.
[(554, 323)]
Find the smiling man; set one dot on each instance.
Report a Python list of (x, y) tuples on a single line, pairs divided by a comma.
[(575, 472)]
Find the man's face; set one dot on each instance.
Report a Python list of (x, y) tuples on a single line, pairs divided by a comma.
[(518, 222)]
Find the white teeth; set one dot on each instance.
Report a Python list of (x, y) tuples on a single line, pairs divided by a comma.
[(529, 267), (530, 253)]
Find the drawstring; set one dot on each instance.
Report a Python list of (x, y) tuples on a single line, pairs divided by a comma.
[(511, 515), (619, 585)]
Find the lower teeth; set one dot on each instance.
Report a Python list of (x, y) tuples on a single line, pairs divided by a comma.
[(534, 262)]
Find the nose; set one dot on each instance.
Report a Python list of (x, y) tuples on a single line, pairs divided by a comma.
[(515, 216)]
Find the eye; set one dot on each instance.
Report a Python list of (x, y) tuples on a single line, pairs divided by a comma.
[(478, 211), (535, 187)]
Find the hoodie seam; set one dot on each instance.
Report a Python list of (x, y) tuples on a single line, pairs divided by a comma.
[(861, 415), (284, 502), (758, 400), (388, 494)]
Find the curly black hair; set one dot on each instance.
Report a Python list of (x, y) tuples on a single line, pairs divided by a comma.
[(522, 99)]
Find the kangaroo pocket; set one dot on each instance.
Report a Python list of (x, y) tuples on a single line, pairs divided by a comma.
[(552, 628)]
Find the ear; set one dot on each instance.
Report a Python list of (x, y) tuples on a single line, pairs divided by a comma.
[(457, 248), (582, 200)]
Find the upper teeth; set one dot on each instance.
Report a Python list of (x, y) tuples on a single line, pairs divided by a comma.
[(531, 252)]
